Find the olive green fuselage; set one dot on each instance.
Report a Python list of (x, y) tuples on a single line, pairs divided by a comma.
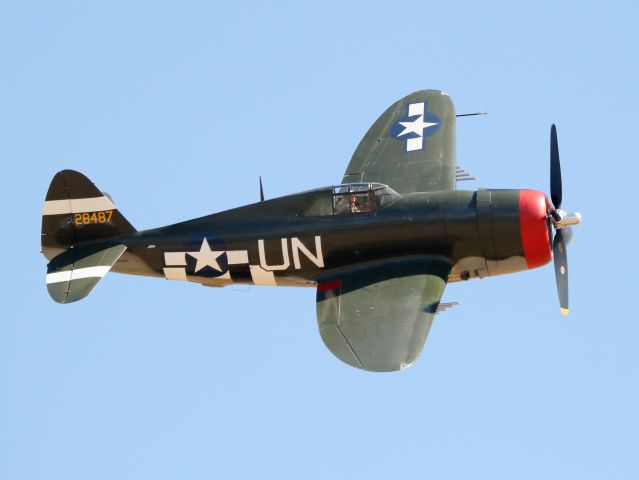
[(284, 242)]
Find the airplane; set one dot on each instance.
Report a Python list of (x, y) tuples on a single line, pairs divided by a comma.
[(379, 247)]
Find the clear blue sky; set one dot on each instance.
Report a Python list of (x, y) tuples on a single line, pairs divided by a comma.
[(176, 108)]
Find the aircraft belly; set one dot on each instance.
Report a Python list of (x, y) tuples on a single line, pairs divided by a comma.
[(507, 265), (467, 268)]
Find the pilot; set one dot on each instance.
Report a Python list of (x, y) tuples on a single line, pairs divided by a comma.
[(354, 204)]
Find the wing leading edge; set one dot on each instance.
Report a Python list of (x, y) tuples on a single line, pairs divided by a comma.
[(411, 146), (377, 317)]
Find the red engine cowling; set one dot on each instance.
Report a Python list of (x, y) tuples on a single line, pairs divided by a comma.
[(533, 221)]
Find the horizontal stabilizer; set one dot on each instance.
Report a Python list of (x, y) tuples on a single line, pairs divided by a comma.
[(72, 275)]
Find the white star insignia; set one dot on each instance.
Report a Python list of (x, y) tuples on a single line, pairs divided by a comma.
[(206, 257), (416, 126)]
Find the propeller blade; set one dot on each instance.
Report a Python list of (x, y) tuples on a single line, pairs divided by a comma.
[(561, 269), (555, 169)]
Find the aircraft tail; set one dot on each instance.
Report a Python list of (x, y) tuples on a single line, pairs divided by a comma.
[(80, 231)]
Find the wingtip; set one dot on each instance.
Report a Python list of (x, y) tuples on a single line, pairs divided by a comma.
[(564, 311)]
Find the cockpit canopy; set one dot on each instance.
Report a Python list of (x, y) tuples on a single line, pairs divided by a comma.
[(352, 198)]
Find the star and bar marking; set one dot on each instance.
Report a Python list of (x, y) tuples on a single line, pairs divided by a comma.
[(176, 263), (418, 124)]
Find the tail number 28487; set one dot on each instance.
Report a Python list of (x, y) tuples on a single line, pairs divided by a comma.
[(92, 217)]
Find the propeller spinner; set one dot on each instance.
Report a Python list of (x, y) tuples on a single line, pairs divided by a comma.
[(561, 222)]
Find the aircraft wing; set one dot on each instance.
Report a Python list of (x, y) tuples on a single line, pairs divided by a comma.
[(411, 147), (377, 317)]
